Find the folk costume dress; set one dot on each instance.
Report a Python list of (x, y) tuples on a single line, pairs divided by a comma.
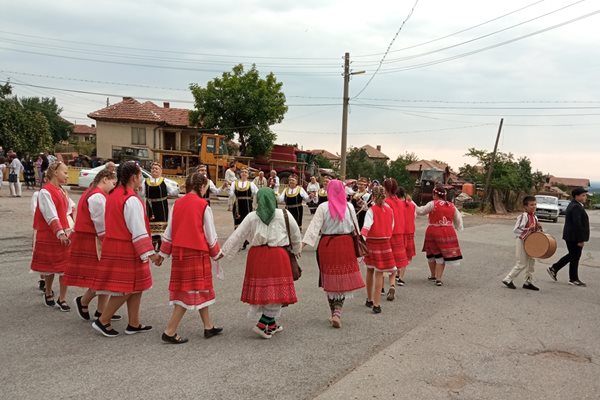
[(191, 239), (292, 198), (441, 242), (410, 215), (313, 202), (378, 230), (339, 274), (157, 206), (243, 193), (268, 282), (322, 196), (398, 239), (360, 201), (49, 222), (89, 233), (211, 189), (124, 266)]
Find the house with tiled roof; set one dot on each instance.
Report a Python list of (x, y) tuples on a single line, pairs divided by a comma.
[(83, 133), (147, 125), (374, 153), (567, 184), (333, 158), (415, 169)]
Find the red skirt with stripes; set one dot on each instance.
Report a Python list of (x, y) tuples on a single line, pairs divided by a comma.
[(83, 263), (120, 269), (191, 284), (399, 250), (338, 265), (380, 256), (409, 243), (49, 255), (268, 278), (442, 242)]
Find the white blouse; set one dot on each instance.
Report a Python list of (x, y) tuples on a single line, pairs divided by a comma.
[(134, 219), (97, 205), (369, 218), (208, 225), (323, 224), (242, 185), (257, 233), (293, 192)]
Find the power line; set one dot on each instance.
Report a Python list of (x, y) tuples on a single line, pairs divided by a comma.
[(388, 49), (388, 132), (457, 32)]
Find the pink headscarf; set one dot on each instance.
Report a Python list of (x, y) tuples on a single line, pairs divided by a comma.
[(336, 198)]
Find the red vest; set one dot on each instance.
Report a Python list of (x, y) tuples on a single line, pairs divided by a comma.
[(84, 221), (382, 222), (398, 206), (114, 216), (442, 214), (409, 216), (187, 226), (60, 202)]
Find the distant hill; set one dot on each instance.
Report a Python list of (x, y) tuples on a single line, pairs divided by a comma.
[(595, 187)]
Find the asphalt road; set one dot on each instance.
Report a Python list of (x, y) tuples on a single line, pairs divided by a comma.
[(470, 339)]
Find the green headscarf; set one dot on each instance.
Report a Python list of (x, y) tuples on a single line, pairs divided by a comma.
[(266, 205)]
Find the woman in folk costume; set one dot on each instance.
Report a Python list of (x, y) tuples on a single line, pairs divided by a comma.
[(124, 271), (211, 188), (441, 243), (268, 282), (398, 235), (86, 241), (292, 197), (191, 239), (410, 215), (51, 248), (243, 192), (335, 222), (378, 230), (313, 193), (156, 193), (361, 201), (322, 194)]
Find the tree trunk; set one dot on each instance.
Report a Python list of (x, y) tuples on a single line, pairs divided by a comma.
[(499, 207)]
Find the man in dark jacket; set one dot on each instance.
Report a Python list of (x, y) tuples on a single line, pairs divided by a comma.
[(575, 233)]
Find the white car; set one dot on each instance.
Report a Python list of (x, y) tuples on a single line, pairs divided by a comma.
[(86, 177), (547, 207)]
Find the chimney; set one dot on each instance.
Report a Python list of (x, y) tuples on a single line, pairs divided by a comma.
[(166, 104), (378, 147), (127, 98), (93, 125)]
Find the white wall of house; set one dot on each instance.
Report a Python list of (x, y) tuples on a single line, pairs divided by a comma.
[(109, 134)]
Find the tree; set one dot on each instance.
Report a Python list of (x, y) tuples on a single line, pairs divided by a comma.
[(243, 103), (322, 162), (398, 171), (21, 129), (59, 128), (358, 164)]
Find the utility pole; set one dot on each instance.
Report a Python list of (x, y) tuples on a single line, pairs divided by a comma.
[(345, 116), (489, 174)]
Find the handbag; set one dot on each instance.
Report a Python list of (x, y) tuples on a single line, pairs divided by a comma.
[(360, 244), (12, 177), (296, 270)]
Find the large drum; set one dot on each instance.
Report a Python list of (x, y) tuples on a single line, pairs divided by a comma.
[(540, 245)]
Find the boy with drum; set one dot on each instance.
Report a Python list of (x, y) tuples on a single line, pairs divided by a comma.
[(526, 224)]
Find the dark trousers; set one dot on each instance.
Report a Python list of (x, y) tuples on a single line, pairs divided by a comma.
[(572, 258)]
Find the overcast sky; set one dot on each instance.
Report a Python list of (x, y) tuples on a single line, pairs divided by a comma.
[(545, 85)]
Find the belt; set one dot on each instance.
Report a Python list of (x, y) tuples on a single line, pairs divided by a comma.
[(244, 198), (441, 224), (293, 206), (157, 200)]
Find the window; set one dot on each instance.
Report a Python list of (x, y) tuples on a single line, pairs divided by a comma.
[(195, 141), (138, 136), (211, 144)]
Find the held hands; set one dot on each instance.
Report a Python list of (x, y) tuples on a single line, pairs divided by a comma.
[(64, 239), (156, 259)]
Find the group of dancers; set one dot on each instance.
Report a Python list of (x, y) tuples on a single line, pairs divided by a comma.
[(109, 249)]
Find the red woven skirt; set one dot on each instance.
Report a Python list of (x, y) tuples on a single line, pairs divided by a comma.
[(191, 284), (399, 250), (441, 241), (338, 264), (381, 256), (83, 263), (409, 243), (268, 278), (49, 255), (120, 269)]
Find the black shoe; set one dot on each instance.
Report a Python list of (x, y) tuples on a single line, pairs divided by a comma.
[(84, 315), (376, 309), (383, 291), (175, 339), (369, 303), (103, 329), (49, 300), (130, 330), (530, 286), (577, 282), (115, 317), (42, 285), (400, 282), (552, 273), (62, 306), (438, 283), (214, 331), (431, 278), (510, 284)]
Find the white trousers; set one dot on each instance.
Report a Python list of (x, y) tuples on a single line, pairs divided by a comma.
[(15, 188), (524, 262)]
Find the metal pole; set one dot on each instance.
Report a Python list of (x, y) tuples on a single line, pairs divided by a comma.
[(489, 174), (345, 116)]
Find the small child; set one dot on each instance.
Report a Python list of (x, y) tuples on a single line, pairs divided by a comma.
[(526, 223)]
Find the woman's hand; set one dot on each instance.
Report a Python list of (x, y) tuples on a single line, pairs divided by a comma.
[(64, 239)]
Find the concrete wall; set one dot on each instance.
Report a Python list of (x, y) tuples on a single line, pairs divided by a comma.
[(109, 134)]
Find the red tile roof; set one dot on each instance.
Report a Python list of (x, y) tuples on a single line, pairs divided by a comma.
[(326, 154), (372, 152), (131, 110), (84, 130), (425, 165), (572, 182)]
